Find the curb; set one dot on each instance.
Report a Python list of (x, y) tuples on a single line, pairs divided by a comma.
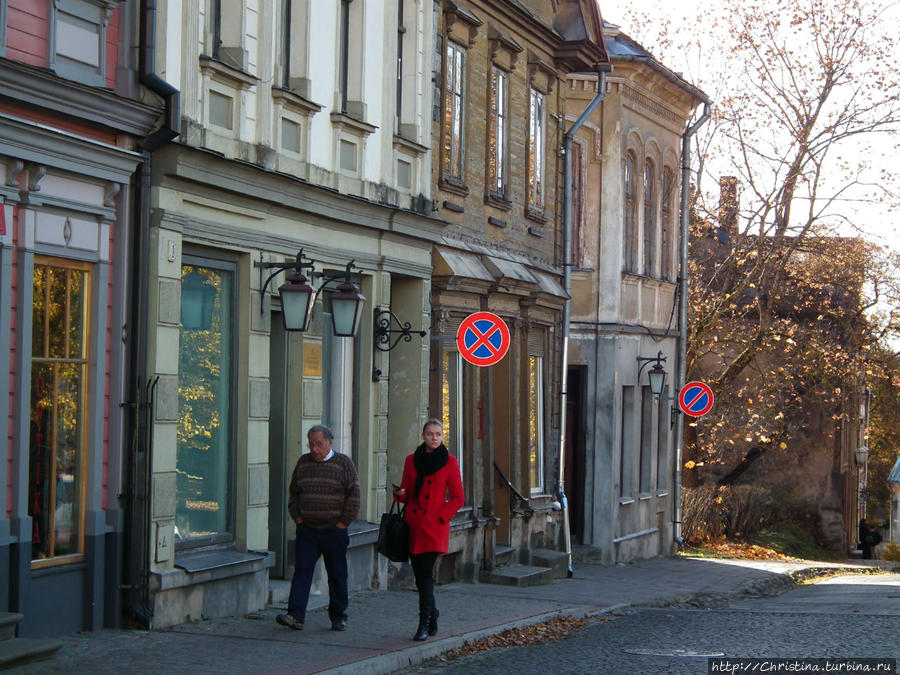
[(413, 656)]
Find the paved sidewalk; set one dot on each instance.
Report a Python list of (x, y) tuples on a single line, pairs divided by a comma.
[(381, 623)]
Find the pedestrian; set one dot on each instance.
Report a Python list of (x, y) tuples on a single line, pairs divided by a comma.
[(430, 475), (324, 500), (869, 538)]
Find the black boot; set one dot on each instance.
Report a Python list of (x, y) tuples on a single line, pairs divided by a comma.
[(432, 621), (422, 631)]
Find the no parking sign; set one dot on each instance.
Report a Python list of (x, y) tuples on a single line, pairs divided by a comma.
[(695, 399), (483, 339)]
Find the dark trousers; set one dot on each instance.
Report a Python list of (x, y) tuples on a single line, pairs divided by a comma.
[(331, 544), (423, 569)]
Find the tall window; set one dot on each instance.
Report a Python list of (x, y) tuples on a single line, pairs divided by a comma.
[(535, 424), (666, 229), (401, 33), (626, 454), (497, 133), (629, 242), (78, 51), (205, 407), (452, 404), (577, 204), (454, 99), (649, 221), (647, 439), (662, 443), (536, 135), (344, 36), (59, 386)]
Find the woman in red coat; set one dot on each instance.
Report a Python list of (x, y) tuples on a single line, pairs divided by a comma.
[(430, 474)]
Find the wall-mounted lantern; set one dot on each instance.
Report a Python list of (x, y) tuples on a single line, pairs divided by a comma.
[(656, 375), (298, 296)]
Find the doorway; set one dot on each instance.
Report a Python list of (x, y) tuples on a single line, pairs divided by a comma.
[(574, 472)]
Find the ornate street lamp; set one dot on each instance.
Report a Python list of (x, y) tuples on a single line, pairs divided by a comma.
[(656, 375)]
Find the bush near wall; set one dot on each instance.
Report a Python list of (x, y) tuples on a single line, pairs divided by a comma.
[(711, 512)]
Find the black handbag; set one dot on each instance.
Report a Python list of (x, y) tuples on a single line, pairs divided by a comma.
[(393, 535)]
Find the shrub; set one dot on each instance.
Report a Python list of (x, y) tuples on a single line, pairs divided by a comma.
[(891, 551), (709, 513)]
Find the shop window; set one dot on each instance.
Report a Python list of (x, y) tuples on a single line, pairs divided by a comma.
[(59, 407), (452, 405), (498, 171), (536, 137), (205, 435), (535, 424)]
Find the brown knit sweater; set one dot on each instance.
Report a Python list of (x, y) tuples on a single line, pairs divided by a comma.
[(324, 493)]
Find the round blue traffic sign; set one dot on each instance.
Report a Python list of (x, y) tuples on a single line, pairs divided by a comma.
[(695, 399), (482, 338)]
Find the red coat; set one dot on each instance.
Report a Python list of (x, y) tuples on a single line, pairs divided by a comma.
[(429, 515)]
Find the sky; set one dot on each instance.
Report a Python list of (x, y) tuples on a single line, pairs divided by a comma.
[(879, 222)]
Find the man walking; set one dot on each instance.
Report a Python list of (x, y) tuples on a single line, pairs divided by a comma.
[(324, 500)]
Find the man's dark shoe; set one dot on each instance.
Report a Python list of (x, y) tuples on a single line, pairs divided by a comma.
[(340, 624), (290, 621)]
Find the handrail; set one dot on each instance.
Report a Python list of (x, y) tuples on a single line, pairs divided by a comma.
[(515, 493)]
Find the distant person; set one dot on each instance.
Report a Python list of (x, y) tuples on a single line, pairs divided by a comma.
[(869, 538), (430, 474), (324, 500)]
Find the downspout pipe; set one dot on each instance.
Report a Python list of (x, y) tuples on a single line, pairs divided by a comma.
[(148, 77), (568, 137), (139, 445), (681, 355)]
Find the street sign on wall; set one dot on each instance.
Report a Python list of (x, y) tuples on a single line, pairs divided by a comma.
[(483, 339), (695, 399)]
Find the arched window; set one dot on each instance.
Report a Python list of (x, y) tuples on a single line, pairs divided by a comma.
[(649, 220), (629, 221), (667, 228)]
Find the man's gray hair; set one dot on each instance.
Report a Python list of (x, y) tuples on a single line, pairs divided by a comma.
[(326, 432)]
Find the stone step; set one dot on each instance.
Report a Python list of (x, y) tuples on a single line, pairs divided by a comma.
[(557, 561), (8, 623), (504, 555), (588, 555), (19, 651), (519, 575)]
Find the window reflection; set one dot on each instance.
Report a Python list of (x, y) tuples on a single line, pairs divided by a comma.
[(204, 413), (535, 424), (451, 404), (59, 350)]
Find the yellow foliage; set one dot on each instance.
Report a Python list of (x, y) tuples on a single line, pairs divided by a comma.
[(690, 464), (891, 551)]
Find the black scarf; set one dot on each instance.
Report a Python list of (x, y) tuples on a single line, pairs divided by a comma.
[(427, 463)]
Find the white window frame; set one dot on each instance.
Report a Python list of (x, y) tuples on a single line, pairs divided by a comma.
[(537, 132)]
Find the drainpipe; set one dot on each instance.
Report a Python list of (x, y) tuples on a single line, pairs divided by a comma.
[(136, 575), (602, 70), (681, 355)]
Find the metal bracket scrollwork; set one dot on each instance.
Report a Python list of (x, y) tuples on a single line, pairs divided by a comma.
[(386, 337)]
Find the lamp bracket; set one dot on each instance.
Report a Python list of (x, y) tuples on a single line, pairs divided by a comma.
[(386, 337), (298, 265), (645, 361)]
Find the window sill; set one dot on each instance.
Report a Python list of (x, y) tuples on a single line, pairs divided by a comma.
[(46, 563), (205, 569), (235, 77), (409, 145), (498, 201), (535, 214), (625, 500), (453, 186), (296, 101), (352, 124)]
